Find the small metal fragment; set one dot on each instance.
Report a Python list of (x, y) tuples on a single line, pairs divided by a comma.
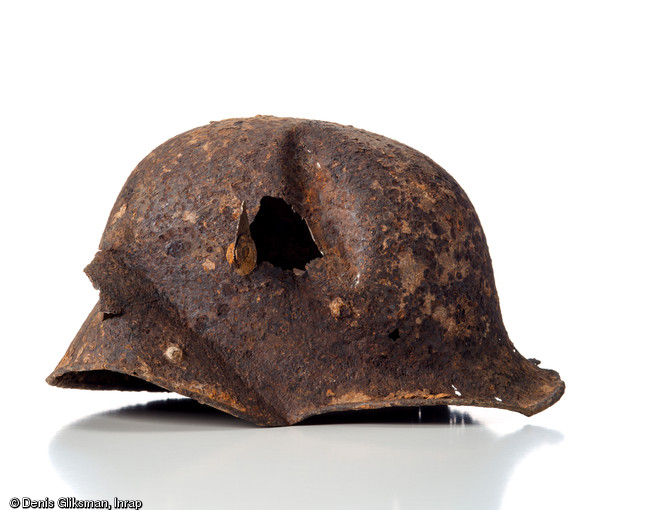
[(244, 248)]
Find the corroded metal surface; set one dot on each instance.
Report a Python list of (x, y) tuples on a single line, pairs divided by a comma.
[(380, 291)]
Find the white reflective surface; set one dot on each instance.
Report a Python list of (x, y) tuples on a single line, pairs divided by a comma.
[(176, 453)]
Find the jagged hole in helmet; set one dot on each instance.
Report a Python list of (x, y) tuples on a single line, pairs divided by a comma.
[(282, 237)]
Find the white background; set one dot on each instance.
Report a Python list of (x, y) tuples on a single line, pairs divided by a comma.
[(549, 114)]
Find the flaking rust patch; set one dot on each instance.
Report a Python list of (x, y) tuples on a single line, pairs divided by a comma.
[(121, 212), (352, 397), (230, 257), (173, 353), (411, 271), (336, 307), (190, 216), (441, 315), (420, 394)]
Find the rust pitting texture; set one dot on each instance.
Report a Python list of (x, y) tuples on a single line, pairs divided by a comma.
[(280, 268)]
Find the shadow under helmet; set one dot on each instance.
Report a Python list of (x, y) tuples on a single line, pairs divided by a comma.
[(279, 268)]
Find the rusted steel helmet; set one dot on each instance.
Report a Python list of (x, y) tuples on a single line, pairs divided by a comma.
[(279, 268)]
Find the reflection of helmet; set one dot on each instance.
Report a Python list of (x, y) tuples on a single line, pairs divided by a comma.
[(281, 268)]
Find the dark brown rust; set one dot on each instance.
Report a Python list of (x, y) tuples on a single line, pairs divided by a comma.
[(376, 289)]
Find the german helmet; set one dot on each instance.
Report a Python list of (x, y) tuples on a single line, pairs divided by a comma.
[(280, 268)]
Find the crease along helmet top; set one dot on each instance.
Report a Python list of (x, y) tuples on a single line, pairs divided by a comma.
[(279, 268)]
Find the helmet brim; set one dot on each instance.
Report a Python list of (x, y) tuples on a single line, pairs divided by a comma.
[(123, 352)]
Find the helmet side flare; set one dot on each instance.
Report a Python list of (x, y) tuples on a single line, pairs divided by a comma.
[(369, 285)]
